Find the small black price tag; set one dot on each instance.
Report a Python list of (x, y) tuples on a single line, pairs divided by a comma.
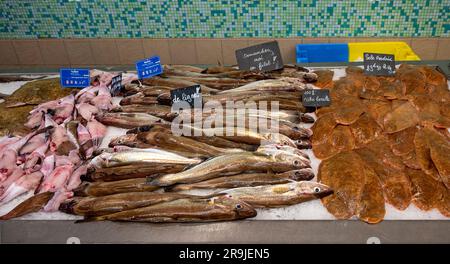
[(191, 95), (116, 85), (262, 57), (316, 97), (379, 64)]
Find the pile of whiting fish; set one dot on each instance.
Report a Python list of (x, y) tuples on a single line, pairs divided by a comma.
[(144, 174), (384, 139)]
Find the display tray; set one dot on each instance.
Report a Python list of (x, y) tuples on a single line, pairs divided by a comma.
[(316, 225)]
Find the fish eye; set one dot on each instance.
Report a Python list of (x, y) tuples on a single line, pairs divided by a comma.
[(297, 173), (296, 162), (229, 196), (316, 189), (238, 206)]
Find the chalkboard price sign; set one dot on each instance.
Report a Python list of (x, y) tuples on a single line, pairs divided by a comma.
[(316, 97), (262, 57), (191, 95), (116, 85), (379, 64)]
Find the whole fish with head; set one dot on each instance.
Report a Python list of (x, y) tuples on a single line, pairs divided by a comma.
[(231, 164), (128, 120), (132, 171), (209, 140), (281, 84), (182, 144), (186, 210), (100, 188), (97, 206), (280, 194), (247, 180), (140, 156), (243, 135)]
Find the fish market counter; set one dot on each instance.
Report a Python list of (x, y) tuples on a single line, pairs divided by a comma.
[(301, 223)]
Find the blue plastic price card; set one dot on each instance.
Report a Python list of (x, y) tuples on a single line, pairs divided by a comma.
[(149, 67), (75, 78)]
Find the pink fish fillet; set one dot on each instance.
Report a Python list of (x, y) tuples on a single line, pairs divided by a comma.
[(6, 141), (34, 143), (48, 165), (103, 100), (74, 180), (58, 198), (44, 107), (17, 173), (86, 110), (86, 94), (97, 131), (57, 179), (9, 156), (64, 109), (35, 119), (74, 157), (24, 184), (35, 160), (85, 140), (83, 134)]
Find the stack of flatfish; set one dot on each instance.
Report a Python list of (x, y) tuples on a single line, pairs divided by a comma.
[(384, 139)]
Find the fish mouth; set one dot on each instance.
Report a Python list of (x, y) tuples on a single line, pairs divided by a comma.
[(67, 207)]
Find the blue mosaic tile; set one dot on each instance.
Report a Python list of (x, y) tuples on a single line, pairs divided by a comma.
[(219, 19)]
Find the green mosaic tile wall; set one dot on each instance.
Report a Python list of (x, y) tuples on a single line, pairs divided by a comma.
[(223, 19)]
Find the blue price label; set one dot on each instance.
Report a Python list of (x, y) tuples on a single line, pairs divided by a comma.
[(76, 78), (149, 67)]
